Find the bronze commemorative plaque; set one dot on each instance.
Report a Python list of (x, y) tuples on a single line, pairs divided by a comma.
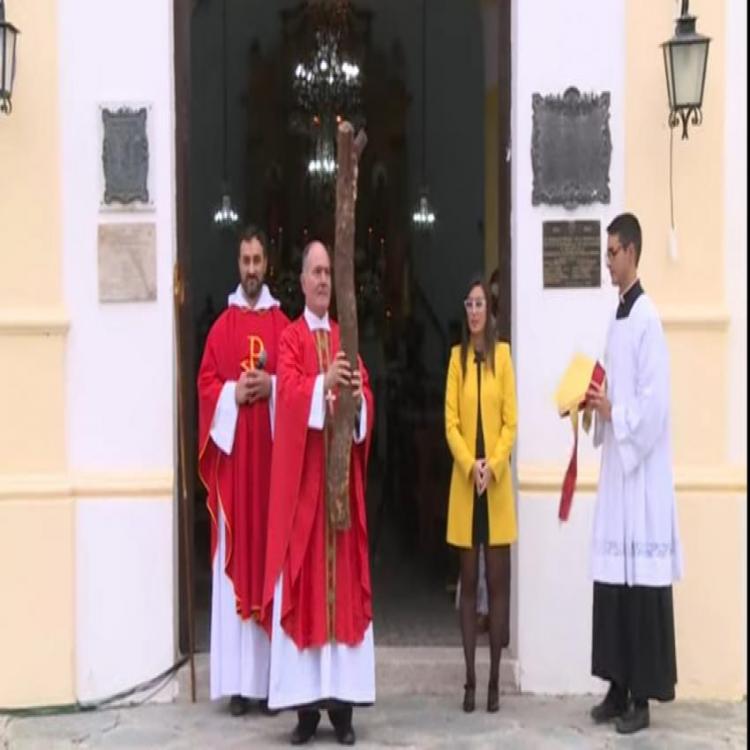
[(572, 254)]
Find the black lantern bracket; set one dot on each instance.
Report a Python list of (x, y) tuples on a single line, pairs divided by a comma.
[(683, 115)]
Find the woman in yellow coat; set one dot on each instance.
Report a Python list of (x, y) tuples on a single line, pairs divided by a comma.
[(480, 427)]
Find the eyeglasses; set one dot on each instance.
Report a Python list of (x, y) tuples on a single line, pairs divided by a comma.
[(474, 304), (611, 253)]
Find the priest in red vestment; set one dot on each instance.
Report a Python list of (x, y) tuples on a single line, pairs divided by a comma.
[(317, 599), (236, 384)]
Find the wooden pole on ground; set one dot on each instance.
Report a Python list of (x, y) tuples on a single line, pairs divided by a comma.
[(179, 296)]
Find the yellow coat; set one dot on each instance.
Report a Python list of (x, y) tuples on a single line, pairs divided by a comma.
[(499, 429)]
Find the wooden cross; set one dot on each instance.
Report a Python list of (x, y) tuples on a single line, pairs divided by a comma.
[(330, 400)]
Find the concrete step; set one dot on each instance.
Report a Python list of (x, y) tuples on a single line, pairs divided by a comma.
[(436, 670), (399, 670)]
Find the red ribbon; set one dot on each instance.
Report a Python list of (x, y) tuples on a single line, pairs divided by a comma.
[(569, 482)]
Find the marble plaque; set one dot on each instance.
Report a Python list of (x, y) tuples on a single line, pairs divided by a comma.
[(127, 262), (572, 254)]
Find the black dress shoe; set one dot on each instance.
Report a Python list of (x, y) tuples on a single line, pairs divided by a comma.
[(634, 719), (341, 719), (307, 724), (614, 704), (345, 735), (238, 705), (469, 698)]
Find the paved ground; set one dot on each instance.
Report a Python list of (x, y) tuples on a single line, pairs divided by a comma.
[(396, 721), (418, 706)]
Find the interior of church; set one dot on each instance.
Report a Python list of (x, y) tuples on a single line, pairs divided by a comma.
[(268, 83)]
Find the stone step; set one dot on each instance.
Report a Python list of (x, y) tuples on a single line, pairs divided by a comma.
[(436, 670), (399, 670)]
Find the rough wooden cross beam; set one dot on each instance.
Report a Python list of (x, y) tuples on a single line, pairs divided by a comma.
[(349, 150)]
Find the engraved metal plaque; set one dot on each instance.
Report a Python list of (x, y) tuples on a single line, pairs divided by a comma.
[(127, 262), (572, 254), (570, 149), (125, 156)]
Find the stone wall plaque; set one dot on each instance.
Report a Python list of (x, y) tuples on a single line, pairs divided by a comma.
[(127, 262), (570, 149), (572, 254), (125, 156)]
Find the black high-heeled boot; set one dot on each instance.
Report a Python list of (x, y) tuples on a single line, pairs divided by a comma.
[(493, 697)]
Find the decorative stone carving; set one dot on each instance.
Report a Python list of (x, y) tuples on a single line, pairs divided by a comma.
[(125, 156), (571, 149)]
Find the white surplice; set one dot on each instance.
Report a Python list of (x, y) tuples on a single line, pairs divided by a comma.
[(300, 676), (635, 538), (240, 649)]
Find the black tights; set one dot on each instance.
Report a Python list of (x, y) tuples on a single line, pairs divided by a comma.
[(497, 560)]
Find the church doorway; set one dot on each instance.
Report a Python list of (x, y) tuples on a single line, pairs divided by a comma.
[(243, 130)]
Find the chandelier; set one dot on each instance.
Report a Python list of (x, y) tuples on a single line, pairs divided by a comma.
[(322, 164), (328, 81), (327, 85), (423, 217), (225, 217)]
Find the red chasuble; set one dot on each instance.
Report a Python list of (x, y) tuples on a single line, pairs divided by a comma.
[(316, 561), (239, 483)]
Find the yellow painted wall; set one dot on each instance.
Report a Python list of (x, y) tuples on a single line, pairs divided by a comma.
[(32, 392), (30, 258), (36, 536), (689, 291), (710, 622), (37, 623), (697, 277), (32, 395), (698, 424)]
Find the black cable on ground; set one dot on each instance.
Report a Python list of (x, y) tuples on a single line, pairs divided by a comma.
[(155, 684)]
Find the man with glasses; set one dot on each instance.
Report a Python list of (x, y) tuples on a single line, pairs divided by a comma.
[(635, 553)]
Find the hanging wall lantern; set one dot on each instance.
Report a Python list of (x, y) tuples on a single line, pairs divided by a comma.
[(685, 56), (8, 35)]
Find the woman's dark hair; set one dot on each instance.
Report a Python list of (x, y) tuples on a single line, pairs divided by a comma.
[(489, 327)]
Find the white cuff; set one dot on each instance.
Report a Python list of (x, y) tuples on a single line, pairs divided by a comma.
[(360, 430), (224, 421), (272, 404), (317, 418)]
